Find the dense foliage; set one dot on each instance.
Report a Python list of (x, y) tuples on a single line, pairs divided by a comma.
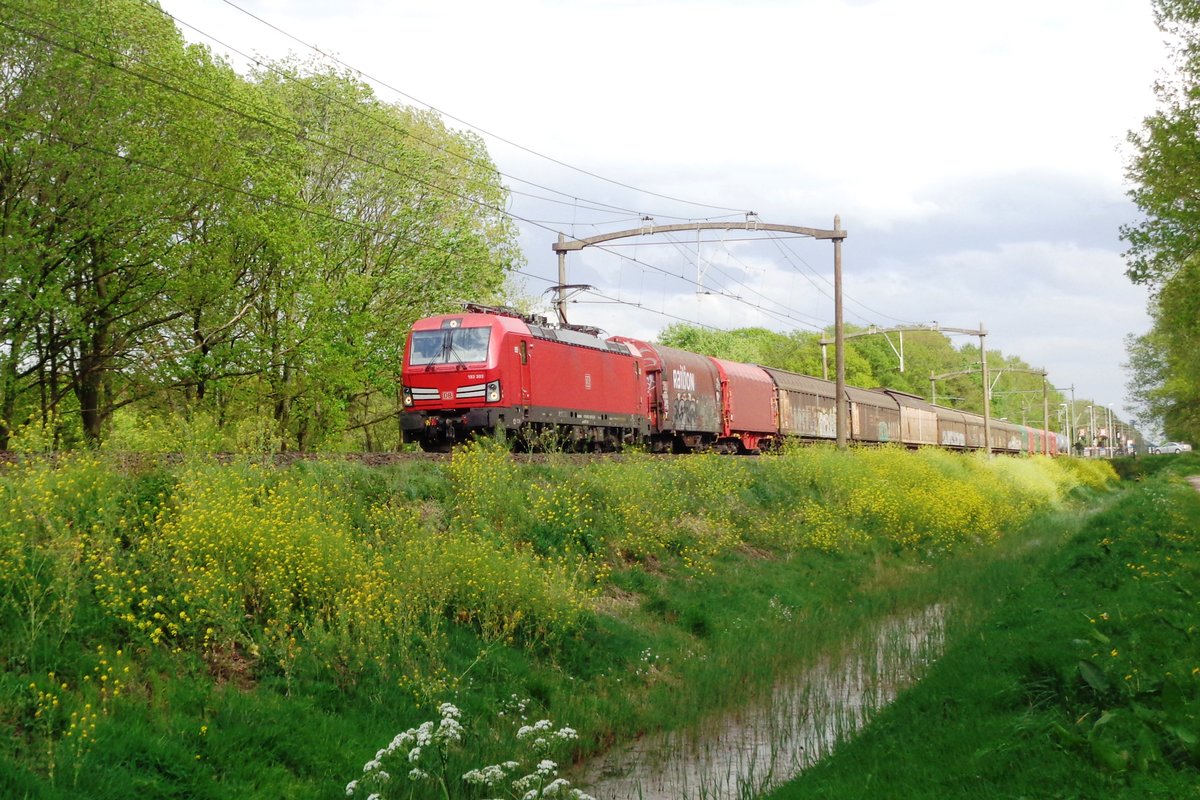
[(241, 255), (144, 613), (1163, 255)]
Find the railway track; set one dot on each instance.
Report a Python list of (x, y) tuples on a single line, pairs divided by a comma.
[(284, 459)]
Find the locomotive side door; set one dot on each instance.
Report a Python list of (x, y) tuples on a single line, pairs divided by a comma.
[(523, 353)]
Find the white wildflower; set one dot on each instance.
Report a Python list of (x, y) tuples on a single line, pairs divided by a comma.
[(414, 755), (489, 775), (450, 730), (417, 774), (371, 765), (546, 766), (350, 787), (537, 727), (521, 784), (566, 734)]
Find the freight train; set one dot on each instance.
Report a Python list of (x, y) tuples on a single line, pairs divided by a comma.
[(490, 369)]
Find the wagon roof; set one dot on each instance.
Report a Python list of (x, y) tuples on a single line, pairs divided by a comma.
[(795, 382)]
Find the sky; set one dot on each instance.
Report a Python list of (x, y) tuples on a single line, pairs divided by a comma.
[(976, 153)]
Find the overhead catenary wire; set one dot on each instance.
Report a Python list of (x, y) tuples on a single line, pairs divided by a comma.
[(485, 132), (785, 250), (713, 265), (589, 204)]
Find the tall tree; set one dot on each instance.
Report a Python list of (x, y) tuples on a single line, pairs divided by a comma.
[(101, 141), (1164, 246), (406, 220)]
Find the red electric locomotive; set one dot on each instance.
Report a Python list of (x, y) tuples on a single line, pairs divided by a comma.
[(490, 369), (494, 369)]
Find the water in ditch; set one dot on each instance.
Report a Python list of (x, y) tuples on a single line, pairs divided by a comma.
[(744, 754)]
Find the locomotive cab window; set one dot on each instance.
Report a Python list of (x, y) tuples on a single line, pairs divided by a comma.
[(449, 346)]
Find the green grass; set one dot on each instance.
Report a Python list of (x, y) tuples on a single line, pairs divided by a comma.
[(243, 631), (1083, 682)]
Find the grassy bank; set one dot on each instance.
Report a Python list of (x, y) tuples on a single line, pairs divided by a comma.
[(212, 630), (1083, 683)]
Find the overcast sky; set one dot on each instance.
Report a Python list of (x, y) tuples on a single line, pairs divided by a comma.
[(975, 152)]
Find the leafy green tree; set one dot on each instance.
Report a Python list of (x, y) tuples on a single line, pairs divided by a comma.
[(97, 213), (406, 222), (1165, 244)]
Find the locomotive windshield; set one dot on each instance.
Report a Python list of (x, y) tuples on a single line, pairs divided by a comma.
[(449, 346)]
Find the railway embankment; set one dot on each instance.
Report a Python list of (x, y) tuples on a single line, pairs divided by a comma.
[(213, 629)]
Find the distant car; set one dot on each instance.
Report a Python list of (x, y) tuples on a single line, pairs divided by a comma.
[(1172, 447)]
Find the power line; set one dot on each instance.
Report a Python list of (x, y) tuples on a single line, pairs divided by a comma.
[(590, 205), (713, 265), (784, 249), (290, 131), (497, 137), (506, 141)]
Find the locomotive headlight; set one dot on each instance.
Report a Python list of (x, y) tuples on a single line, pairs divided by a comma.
[(493, 392), (408, 401)]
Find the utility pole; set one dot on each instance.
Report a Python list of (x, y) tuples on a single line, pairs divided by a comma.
[(839, 334), (1045, 415), (561, 305), (1071, 416), (987, 394), (876, 331)]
